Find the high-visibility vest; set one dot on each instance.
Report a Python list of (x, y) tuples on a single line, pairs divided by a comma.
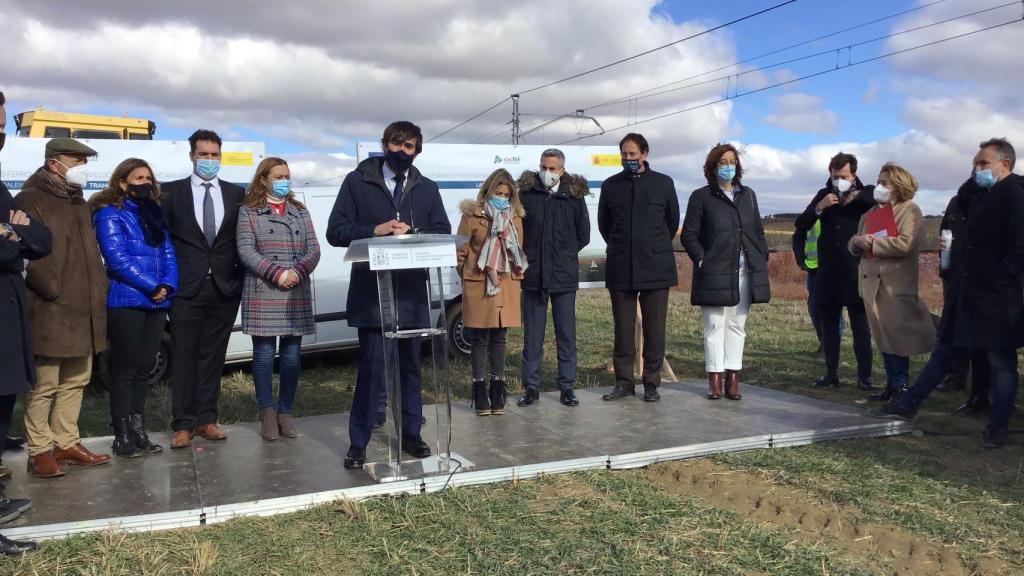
[(811, 246)]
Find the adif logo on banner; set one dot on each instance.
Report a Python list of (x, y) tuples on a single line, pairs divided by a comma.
[(507, 160)]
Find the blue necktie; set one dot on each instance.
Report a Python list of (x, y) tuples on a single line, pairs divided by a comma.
[(399, 190)]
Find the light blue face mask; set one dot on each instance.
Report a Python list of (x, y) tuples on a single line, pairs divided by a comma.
[(280, 188), (498, 203), (726, 173), (984, 178), (207, 169)]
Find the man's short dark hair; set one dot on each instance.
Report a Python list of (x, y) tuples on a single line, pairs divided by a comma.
[(842, 159), (637, 139), (1004, 150), (3, 100), (402, 131), (208, 135)]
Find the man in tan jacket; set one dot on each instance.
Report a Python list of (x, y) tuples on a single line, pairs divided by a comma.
[(67, 293)]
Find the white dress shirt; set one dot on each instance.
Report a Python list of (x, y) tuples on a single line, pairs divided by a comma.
[(199, 194)]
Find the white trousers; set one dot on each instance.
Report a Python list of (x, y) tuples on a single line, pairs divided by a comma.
[(724, 331)]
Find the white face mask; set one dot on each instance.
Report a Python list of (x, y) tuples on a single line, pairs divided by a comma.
[(841, 186), (76, 175), (882, 194), (550, 179)]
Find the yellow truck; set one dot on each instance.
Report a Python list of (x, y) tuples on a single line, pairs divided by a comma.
[(41, 123)]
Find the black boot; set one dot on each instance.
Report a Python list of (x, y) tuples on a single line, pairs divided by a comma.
[(137, 429), (480, 401), (10, 547), (974, 405), (497, 396), (124, 442)]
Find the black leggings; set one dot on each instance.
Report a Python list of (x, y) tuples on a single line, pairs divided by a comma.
[(6, 411), (487, 343), (134, 341)]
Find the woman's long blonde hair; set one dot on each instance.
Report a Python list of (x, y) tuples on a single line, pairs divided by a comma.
[(497, 178), (259, 189)]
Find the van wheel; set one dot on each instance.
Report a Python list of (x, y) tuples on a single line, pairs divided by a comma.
[(456, 330)]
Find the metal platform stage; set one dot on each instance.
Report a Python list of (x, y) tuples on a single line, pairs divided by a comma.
[(245, 476)]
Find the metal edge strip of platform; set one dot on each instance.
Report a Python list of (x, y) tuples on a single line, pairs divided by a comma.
[(285, 504)]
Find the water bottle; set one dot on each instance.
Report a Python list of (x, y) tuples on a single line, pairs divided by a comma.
[(947, 241)]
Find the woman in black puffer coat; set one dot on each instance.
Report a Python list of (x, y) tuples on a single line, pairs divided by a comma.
[(724, 237)]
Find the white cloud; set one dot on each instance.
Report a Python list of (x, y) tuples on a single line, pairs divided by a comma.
[(799, 112)]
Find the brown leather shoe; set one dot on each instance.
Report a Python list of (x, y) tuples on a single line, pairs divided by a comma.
[(181, 439), (732, 385), (44, 465), (715, 385), (78, 455), (211, 432)]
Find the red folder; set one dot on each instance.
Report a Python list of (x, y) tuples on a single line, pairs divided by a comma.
[(881, 223)]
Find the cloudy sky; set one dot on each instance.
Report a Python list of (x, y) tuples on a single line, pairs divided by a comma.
[(313, 77)]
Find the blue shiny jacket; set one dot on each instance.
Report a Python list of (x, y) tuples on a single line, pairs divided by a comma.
[(135, 268)]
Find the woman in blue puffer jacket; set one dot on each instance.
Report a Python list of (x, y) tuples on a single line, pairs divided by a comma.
[(143, 276)]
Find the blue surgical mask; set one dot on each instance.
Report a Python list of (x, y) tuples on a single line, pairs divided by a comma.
[(280, 188), (726, 173), (498, 203), (631, 166), (207, 168), (984, 178)]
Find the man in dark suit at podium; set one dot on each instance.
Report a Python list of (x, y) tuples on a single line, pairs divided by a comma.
[(387, 195), (201, 213)]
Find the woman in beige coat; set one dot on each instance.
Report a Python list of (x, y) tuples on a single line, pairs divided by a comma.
[(901, 325), (491, 266)]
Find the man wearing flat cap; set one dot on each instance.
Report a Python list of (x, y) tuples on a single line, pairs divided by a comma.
[(67, 293)]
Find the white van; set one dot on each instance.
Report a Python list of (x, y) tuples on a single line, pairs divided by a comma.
[(459, 169)]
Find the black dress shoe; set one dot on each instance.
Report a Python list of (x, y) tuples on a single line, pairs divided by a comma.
[(14, 442), (415, 446), (953, 383), (568, 398), (529, 397), (10, 547), (651, 393), (866, 384), (620, 391), (355, 458), (890, 411), (826, 383), (974, 405)]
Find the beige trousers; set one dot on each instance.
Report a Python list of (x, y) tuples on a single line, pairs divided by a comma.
[(60, 383)]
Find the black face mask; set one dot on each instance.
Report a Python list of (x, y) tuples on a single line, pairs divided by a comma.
[(140, 191), (3, 139), (398, 161)]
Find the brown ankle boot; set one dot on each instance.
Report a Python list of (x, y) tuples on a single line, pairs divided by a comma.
[(268, 424), (714, 385), (732, 385)]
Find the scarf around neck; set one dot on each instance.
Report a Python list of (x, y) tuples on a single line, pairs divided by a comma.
[(501, 251)]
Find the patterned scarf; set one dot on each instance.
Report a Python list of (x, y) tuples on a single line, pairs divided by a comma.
[(501, 252)]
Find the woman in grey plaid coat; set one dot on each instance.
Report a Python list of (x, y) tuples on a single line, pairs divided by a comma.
[(278, 249)]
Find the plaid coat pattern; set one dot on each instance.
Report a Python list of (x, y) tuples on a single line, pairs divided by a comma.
[(267, 245)]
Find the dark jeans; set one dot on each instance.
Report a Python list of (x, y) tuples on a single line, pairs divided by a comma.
[(812, 308), (370, 381), (487, 343), (263, 350), (976, 362), (6, 412), (200, 329), (897, 371), (135, 336), (535, 319), (830, 326), (1003, 362), (654, 308)]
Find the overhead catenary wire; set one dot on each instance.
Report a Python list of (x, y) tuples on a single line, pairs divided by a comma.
[(770, 53), (793, 80), (634, 98), (609, 65)]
